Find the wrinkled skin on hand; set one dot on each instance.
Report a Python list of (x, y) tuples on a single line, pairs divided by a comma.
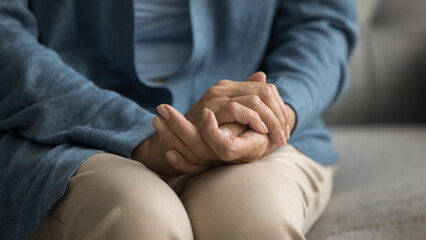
[(233, 123)]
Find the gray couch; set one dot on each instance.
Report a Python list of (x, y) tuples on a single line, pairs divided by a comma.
[(380, 130), (380, 188)]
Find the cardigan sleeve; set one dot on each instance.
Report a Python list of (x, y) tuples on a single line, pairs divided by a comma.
[(307, 57), (47, 101)]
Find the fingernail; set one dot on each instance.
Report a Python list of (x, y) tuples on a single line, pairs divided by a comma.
[(265, 128), (287, 131), (205, 114), (227, 131), (283, 139), (163, 112), (158, 125), (171, 157)]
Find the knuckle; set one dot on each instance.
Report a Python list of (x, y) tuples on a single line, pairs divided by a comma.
[(266, 91), (254, 100), (272, 86), (213, 92), (213, 89), (234, 108), (223, 82)]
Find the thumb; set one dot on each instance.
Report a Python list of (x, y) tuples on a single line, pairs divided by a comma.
[(257, 77)]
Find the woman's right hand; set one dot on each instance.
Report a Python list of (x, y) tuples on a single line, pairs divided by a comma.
[(227, 143), (253, 102), (188, 152)]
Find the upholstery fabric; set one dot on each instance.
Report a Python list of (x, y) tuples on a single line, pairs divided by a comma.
[(380, 188)]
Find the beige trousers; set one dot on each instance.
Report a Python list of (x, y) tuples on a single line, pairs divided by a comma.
[(110, 197)]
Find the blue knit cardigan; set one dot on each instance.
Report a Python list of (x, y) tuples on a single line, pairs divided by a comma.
[(69, 89)]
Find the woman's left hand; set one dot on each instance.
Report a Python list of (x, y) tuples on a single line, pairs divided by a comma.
[(210, 144)]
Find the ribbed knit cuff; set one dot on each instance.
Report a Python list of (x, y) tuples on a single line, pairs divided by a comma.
[(119, 126)]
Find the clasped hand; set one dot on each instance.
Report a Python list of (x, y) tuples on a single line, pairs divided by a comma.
[(232, 123)]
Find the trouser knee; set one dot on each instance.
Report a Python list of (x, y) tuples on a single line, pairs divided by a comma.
[(243, 205), (116, 198)]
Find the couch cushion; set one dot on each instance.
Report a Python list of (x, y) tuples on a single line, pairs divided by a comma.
[(380, 188), (388, 65)]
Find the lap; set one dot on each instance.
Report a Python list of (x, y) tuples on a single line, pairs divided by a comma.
[(283, 193), (111, 197)]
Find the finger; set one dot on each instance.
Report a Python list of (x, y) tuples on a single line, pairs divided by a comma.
[(283, 110), (267, 116), (263, 142), (266, 94), (235, 112), (260, 77), (171, 138), (236, 129), (265, 146), (257, 77), (228, 148), (178, 162), (186, 131), (225, 86)]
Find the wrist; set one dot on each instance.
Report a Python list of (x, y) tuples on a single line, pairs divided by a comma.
[(152, 154)]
